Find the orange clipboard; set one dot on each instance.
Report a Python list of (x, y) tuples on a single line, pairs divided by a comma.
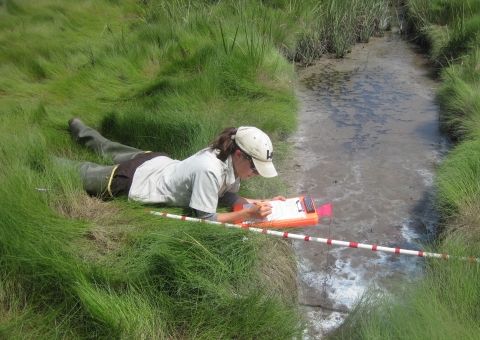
[(294, 212)]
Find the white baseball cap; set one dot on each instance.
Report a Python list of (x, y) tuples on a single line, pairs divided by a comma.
[(256, 144)]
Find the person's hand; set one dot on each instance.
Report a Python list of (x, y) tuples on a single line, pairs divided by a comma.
[(278, 198), (260, 210)]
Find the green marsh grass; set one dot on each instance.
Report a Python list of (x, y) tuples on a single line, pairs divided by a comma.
[(372, 19), (458, 186), (157, 75), (459, 100), (339, 18), (353, 21), (448, 27)]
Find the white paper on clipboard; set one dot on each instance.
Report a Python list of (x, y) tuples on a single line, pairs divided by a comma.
[(281, 210)]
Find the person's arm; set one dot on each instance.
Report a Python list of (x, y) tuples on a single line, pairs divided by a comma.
[(257, 211), (243, 200), (260, 210)]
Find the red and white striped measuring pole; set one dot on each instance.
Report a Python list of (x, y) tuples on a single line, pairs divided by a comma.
[(317, 239)]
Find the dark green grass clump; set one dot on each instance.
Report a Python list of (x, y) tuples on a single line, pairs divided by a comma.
[(161, 76)]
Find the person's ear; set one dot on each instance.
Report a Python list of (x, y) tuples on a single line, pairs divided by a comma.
[(237, 154)]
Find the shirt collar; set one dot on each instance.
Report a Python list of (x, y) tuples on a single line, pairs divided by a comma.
[(227, 166), (230, 179)]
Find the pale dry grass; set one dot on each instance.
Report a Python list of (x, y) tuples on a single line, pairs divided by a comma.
[(83, 207), (278, 268), (13, 301), (108, 230), (278, 83), (106, 239), (467, 223)]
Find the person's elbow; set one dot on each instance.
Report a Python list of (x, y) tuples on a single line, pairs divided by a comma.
[(206, 215)]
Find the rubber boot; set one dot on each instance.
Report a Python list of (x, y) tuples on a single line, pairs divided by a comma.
[(92, 139), (95, 178)]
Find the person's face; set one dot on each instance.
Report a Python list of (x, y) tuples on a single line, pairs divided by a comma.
[(242, 165)]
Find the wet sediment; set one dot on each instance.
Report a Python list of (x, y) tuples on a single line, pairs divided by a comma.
[(368, 143)]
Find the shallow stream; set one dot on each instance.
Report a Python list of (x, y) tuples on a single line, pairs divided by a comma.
[(368, 143)]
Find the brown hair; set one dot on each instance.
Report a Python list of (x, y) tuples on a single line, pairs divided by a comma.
[(224, 143)]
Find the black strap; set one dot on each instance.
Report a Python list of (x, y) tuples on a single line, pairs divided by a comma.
[(123, 176)]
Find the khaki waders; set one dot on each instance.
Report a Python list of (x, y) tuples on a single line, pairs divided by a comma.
[(107, 181)]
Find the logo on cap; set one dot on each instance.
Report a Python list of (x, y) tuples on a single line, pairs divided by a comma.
[(269, 155)]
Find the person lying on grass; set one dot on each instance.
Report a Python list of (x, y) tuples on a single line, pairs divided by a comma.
[(201, 181)]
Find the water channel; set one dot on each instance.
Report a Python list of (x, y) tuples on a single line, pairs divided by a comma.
[(368, 143)]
